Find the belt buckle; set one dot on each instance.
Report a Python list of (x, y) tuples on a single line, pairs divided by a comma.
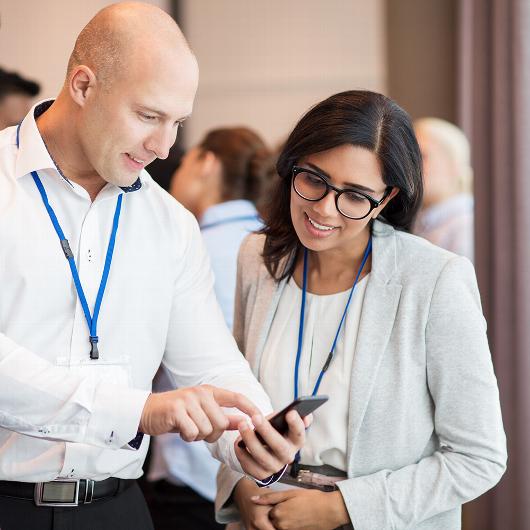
[(60, 492)]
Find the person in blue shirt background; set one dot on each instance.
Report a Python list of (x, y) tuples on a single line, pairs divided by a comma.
[(221, 181)]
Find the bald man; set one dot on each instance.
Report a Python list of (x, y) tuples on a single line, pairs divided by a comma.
[(103, 278)]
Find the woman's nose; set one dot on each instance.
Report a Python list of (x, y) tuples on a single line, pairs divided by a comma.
[(326, 206)]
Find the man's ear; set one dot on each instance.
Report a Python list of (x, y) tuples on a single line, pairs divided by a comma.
[(81, 83)]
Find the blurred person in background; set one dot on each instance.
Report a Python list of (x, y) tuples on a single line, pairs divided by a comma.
[(334, 297), (446, 217), (16, 96), (220, 181)]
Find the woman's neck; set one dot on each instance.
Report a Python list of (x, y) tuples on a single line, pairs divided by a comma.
[(334, 271)]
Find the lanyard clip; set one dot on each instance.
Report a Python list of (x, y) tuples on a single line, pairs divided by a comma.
[(68, 254), (328, 362), (94, 353)]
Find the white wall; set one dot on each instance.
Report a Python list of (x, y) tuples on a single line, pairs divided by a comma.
[(264, 62), (37, 36)]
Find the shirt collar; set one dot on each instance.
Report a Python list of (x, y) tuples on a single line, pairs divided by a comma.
[(32, 152), (226, 210)]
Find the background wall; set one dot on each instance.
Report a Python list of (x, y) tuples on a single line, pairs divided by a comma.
[(36, 36), (422, 38), (264, 63)]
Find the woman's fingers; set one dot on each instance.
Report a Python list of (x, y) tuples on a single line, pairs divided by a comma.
[(271, 498)]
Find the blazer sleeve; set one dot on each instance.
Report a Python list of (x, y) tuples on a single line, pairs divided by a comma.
[(240, 299), (472, 446)]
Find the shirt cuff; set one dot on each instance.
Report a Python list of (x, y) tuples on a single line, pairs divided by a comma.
[(136, 442), (270, 480), (115, 416)]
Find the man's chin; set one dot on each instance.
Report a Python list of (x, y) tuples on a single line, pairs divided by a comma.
[(124, 181)]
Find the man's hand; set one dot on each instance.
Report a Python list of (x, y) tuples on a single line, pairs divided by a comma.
[(263, 460), (304, 509), (194, 412)]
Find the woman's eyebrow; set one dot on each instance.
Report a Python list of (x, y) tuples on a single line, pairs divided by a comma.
[(347, 184)]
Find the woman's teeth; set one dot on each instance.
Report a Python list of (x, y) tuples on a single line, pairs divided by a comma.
[(319, 226)]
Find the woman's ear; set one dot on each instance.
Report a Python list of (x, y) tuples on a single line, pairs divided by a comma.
[(391, 195), (81, 82), (210, 165)]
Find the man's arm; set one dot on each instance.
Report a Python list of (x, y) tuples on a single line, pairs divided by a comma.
[(46, 401), (201, 350)]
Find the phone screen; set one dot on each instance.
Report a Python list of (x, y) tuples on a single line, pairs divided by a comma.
[(304, 405)]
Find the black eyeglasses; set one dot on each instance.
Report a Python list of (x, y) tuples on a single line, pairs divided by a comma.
[(353, 204)]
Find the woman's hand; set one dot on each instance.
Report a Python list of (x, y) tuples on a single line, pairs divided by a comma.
[(264, 457), (304, 509), (254, 516)]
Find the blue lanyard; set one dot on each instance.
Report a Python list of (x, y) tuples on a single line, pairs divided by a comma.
[(92, 320), (230, 220), (327, 363)]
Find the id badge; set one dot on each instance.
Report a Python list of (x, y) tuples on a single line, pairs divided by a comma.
[(116, 371)]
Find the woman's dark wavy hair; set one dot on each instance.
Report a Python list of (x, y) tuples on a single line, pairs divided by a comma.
[(356, 117)]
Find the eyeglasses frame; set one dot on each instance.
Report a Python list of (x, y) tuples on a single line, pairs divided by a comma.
[(374, 203)]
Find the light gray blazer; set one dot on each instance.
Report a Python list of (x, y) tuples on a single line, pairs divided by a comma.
[(425, 431)]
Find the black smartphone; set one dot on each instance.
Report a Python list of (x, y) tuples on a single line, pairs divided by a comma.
[(304, 405)]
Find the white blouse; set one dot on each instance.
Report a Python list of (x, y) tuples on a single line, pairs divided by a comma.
[(326, 440)]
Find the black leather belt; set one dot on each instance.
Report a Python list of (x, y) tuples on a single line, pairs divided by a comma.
[(65, 492)]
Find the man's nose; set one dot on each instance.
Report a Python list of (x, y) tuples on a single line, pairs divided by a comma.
[(161, 142)]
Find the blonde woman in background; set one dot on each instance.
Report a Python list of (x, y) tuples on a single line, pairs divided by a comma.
[(446, 217)]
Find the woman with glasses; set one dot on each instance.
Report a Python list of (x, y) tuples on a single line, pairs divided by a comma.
[(335, 297)]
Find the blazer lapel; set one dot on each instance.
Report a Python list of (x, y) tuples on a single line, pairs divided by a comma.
[(267, 297), (380, 304)]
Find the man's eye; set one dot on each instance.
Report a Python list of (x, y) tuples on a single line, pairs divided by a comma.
[(147, 117)]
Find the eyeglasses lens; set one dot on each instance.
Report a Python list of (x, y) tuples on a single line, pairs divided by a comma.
[(313, 188)]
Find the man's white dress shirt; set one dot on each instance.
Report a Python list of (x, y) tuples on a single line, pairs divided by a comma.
[(61, 413)]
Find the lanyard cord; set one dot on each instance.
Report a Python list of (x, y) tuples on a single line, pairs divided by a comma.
[(92, 321), (230, 220), (327, 363), (367, 251)]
